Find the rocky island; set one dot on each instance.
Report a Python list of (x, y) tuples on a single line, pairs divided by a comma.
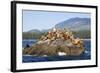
[(56, 42)]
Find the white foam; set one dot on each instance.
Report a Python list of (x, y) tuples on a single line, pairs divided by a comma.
[(61, 53)]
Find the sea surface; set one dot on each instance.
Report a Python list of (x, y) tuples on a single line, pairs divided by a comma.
[(85, 56)]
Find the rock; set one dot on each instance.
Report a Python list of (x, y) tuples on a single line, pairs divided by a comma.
[(55, 45)]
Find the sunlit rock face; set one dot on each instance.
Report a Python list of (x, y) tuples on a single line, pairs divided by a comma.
[(56, 42)]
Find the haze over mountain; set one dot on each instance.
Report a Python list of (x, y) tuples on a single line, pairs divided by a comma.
[(75, 24)]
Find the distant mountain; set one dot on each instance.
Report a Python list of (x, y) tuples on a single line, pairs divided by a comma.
[(35, 31), (45, 30), (75, 24)]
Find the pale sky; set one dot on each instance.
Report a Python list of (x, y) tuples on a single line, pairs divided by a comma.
[(45, 19)]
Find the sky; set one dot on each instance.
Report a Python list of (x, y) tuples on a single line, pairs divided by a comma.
[(42, 20)]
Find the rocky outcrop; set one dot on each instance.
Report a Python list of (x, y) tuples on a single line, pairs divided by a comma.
[(55, 42)]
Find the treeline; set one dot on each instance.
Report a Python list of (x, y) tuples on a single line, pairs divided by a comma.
[(85, 34), (33, 35)]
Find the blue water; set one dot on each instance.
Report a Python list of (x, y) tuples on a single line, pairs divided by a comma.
[(29, 42), (85, 56)]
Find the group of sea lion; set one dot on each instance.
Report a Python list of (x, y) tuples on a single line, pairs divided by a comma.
[(60, 34)]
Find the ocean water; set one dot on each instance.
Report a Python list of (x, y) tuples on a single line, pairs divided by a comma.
[(85, 56), (29, 42)]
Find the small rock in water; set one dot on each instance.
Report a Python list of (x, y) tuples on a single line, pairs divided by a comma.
[(27, 46)]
